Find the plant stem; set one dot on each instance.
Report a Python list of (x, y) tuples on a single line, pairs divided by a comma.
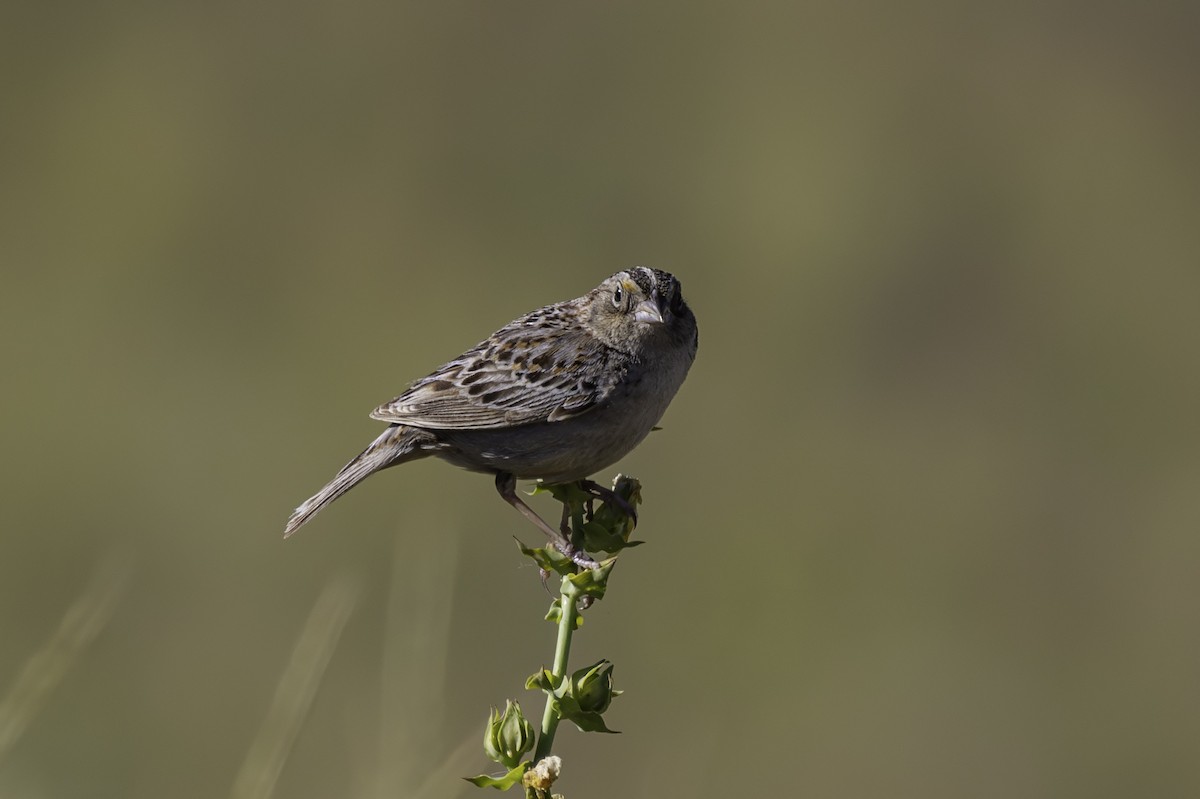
[(562, 650)]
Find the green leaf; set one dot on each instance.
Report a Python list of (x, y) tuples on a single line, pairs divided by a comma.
[(566, 493), (503, 783), (592, 722), (547, 558), (554, 614), (589, 581), (543, 680), (598, 538), (587, 721)]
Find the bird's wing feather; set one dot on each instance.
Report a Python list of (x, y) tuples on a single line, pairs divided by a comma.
[(532, 370)]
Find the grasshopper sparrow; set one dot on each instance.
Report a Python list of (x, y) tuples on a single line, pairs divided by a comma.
[(556, 395)]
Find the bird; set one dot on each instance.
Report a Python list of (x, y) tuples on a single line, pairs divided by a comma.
[(553, 396)]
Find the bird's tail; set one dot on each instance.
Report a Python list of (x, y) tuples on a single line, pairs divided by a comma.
[(396, 445)]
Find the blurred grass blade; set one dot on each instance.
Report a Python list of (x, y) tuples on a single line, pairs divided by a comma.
[(297, 687), (45, 669), (415, 657), (448, 775)]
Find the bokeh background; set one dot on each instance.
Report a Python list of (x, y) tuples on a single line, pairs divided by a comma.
[(923, 522)]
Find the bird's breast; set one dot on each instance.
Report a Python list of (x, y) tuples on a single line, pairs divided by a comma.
[(579, 446)]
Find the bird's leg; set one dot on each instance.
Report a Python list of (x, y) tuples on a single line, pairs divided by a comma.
[(608, 495), (506, 484)]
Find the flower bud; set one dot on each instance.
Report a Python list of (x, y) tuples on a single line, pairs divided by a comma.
[(508, 736), (613, 518), (593, 687)]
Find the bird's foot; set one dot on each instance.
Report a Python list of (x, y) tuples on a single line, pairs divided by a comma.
[(577, 556)]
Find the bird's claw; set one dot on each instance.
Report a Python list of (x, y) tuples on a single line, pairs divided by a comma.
[(577, 556), (608, 495)]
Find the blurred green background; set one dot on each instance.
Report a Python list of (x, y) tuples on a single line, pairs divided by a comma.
[(922, 522)]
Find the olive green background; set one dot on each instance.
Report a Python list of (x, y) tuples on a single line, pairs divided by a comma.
[(923, 521)]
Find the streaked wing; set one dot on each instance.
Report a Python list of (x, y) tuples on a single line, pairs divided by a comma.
[(536, 369)]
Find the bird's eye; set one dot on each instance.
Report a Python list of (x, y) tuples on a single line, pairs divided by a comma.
[(618, 297)]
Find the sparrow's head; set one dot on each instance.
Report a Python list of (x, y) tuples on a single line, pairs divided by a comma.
[(639, 309)]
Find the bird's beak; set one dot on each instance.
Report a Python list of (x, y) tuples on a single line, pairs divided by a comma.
[(647, 311)]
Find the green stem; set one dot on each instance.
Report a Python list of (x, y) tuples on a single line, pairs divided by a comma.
[(562, 650), (577, 524)]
